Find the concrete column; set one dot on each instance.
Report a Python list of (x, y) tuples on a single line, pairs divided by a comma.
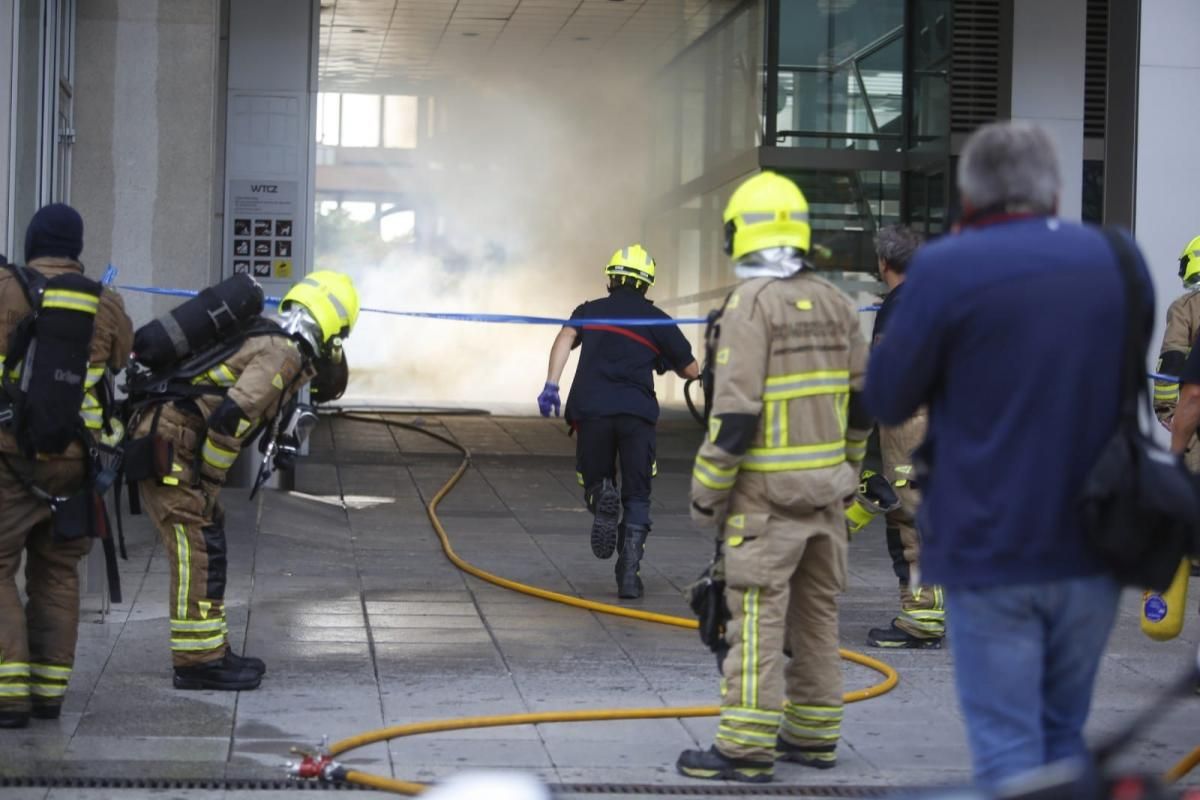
[(145, 163), (1047, 83), (1168, 116), (7, 56)]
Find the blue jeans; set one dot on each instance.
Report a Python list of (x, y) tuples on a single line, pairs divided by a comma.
[(1025, 662)]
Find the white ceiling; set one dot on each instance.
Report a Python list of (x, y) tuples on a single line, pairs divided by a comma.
[(365, 42)]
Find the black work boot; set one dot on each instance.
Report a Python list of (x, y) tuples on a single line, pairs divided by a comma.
[(605, 502), (899, 639), (47, 710), (633, 545), (14, 719), (224, 674), (247, 662), (713, 765), (821, 757)]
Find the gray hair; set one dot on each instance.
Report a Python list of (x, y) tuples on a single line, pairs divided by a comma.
[(1010, 166), (895, 245)]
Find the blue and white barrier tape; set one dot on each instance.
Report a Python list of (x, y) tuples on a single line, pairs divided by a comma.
[(512, 319)]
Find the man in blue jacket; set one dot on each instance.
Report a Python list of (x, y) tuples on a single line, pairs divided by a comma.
[(1020, 369)]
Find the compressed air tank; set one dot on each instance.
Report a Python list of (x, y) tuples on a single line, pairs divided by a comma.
[(1162, 614), (199, 323)]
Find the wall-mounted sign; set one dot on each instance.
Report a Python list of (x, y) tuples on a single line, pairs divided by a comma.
[(264, 216)]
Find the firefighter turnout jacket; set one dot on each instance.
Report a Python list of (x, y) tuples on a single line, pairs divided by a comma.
[(112, 337), (786, 428), (786, 439), (37, 637), (1183, 326)]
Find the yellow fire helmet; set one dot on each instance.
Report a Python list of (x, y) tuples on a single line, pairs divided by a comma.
[(766, 211), (330, 298), (631, 263), (1189, 263)]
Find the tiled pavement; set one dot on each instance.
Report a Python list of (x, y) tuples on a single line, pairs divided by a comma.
[(364, 623)]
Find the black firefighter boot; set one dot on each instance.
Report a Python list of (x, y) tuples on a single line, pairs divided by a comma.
[(633, 545), (605, 503), (246, 662), (224, 674)]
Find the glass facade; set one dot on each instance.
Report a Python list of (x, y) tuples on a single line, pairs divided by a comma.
[(849, 98), (839, 70)]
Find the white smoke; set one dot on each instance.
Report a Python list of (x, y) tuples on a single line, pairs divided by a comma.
[(526, 189)]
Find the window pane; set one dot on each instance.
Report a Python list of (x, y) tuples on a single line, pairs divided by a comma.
[(360, 120), (400, 121), (359, 211), (398, 226), (329, 108)]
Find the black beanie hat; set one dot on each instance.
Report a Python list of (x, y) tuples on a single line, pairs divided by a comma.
[(56, 230)]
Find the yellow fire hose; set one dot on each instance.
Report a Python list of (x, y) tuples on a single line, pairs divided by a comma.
[(324, 767)]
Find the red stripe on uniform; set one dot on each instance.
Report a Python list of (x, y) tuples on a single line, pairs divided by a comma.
[(627, 334)]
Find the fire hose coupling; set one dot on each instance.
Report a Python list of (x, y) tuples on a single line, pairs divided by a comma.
[(318, 766)]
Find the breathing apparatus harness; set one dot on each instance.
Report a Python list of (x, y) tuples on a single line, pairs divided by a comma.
[(175, 353), (43, 383)]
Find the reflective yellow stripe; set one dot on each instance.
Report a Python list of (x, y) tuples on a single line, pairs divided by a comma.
[(72, 301), (183, 556), (712, 476), (579, 477), (14, 669), (856, 449), (49, 690), (198, 625), (216, 456), (807, 384), (752, 716), (784, 459), (750, 648), (14, 689), (188, 645), (776, 423), (94, 374), (797, 711), (748, 738), (93, 420), (50, 671)]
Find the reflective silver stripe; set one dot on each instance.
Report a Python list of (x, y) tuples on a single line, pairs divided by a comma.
[(189, 645), (790, 386), (755, 217), (216, 456), (198, 625), (773, 459), (50, 671)]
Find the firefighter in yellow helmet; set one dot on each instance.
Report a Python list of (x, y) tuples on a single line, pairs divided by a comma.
[(612, 407), (200, 419), (1183, 326), (787, 435)]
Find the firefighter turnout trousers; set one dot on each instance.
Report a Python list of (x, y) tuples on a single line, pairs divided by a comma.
[(604, 442), (37, 642), (191, 526), (922, 608), (783, 576)]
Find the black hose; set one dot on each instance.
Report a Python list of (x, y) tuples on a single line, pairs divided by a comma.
[(687, 397)]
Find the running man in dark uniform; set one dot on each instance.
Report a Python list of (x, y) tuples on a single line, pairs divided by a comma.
[(613, 409)]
